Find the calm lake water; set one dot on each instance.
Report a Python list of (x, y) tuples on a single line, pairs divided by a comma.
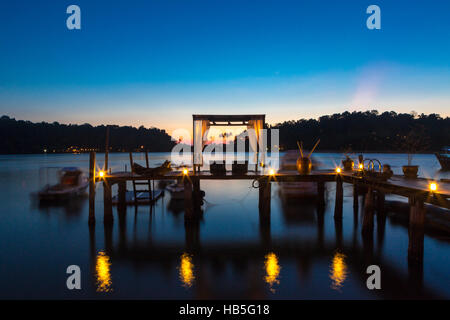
[(151, 253)]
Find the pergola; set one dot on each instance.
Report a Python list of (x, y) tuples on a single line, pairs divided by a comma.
[(202, 122)]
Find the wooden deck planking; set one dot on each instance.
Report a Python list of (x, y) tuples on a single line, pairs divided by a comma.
[(397, 185)]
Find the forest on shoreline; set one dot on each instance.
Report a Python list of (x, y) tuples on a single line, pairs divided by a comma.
[(367, 131)]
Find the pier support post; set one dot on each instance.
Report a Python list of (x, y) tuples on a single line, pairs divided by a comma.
[(192, 234), (321, 192), (196, 195), (91, 188), (416, 230), (339, 198), (355, 197), (264, 197), (380, 202), (355, 205), (381, 218), (264, 211), (188, 198), (122, 203), (107, 205), (367, 225), (122, 215), (320, 226)]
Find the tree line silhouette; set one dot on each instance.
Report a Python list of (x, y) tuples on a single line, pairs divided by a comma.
[(357, 131), (27, 137), (368, 131)]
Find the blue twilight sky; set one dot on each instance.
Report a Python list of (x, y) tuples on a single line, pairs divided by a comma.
[(155, 62)]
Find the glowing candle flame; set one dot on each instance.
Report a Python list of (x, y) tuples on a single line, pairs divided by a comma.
[(102, 267), (338, 271), (272, 270), (433, 186), (186, 270)]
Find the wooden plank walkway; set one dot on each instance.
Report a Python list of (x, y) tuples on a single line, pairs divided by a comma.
[(397, 185), (322, 175)]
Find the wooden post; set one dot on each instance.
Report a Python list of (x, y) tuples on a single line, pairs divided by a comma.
[(264, 211), (92, 187), (339, 198), (380, 202), (196, 196), (106, 148), (367, 226), (122, 214), (188, 198), (321, 192), (416, 230), (192, 234), (381, 218), (107, 203), (355, 196), (265, 194), (320, 226), (122, 195), (150, 189), (92, 251), (355, 205)]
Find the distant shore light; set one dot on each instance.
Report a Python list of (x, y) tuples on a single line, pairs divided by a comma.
[(338, 170)]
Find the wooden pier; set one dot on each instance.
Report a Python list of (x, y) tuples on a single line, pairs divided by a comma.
[(417, 191)]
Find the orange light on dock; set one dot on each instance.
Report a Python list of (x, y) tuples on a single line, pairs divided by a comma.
[(101, 173), (271, 172), (361, 166), (185, 171), (338, 170), (433, 186)]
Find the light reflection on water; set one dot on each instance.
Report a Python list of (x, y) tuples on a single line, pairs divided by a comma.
[(273, 268), (103, 271), (186, 270), (338, 271), (237, 255)]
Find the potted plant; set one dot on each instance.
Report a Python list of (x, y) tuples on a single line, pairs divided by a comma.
[(348, 163), (304, 164), (413, 142)]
